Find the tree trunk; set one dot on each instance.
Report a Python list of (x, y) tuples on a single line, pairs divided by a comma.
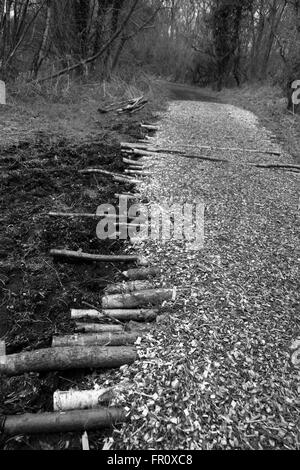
[(39, 58), (66, 358)]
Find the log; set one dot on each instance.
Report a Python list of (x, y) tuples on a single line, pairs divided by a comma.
[(66, 358), (140, 315), (138, 172), (128, 180), (94, 339), (136, 145), (144, 153), (98, 328), (91, 257), (127, 196), (139, 274), (80, 399), (149, 127), (131, 162), (125, 287), (91, 216), (137, 299), (80, 215), (57, 422), (97, 170)]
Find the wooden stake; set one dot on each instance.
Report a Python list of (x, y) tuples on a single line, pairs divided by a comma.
[(77, 420), (66, 358)]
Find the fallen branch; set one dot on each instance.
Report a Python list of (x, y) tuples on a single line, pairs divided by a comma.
[(137, 299), (277, 165), (140, 315), (66, 358), (96, 339), (79, 255), (41, 423), (139, 274)]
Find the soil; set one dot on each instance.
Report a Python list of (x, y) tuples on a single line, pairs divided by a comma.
[(39, 175)]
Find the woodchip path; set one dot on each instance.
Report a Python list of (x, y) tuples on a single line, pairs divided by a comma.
[(217, 372)]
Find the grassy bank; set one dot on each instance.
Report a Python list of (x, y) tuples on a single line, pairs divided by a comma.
[(269, 103)]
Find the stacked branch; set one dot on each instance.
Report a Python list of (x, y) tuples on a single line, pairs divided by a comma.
[(129, 106)]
